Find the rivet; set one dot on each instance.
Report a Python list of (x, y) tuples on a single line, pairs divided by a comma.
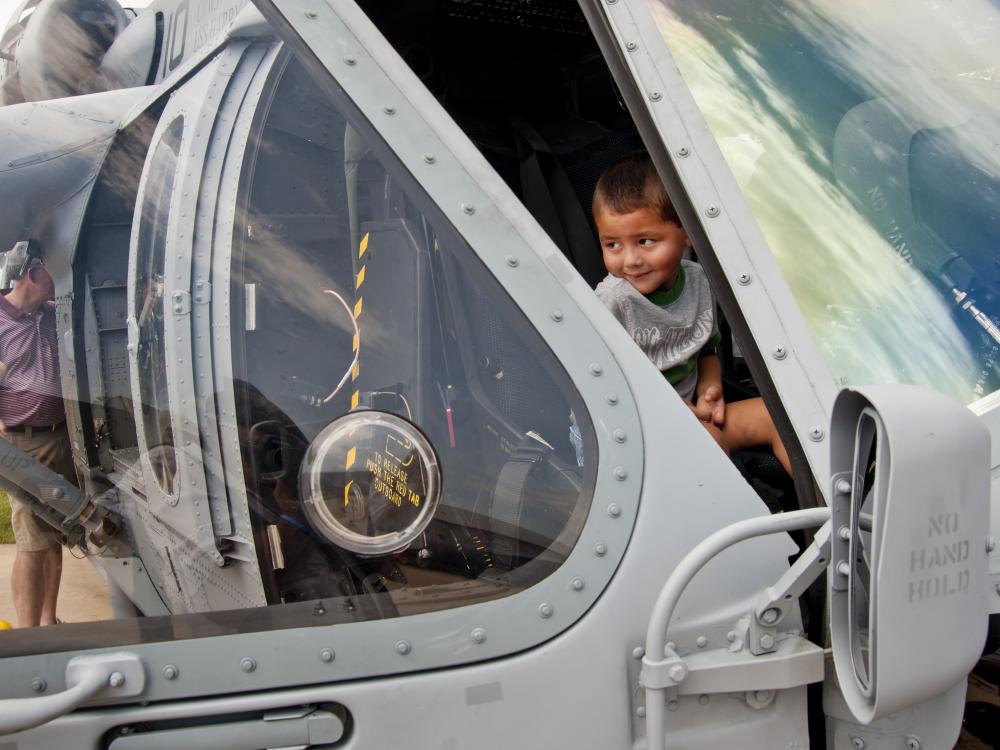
[(350, 60), (638, 652), (712, 211), (779, 352), (512, 261), (614, 511), (556, 315), (991, 544), (578, 584), (116, 679), (677, 672), (403, 647), (844, 533), (600, 550), (247, 664), (640, 711), (816, 434), (620, 436), (545, 610), (612, 399), (327, 655), (39, 685), (843, 487), (630, 46), (170, 672), (478, 635), (672, 705), (703, 700), (310, 14), (701, 641), (468, 208), (745, 278), (429, 158), (912, 743), (389, 109), (655, 96), (620, 473), (857, 743), (683, 152)]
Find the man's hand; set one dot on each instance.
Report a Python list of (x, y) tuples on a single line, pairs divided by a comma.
[(3, 430), (711, 406)]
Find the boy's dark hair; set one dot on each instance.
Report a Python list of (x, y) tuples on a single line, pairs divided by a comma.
[(632, 184)]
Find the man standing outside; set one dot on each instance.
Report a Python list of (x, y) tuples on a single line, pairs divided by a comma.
[(33, 419)]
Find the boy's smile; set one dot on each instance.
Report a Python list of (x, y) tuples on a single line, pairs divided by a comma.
[(641, 247)]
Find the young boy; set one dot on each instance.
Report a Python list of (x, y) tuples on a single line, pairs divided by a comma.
[(665, 302)]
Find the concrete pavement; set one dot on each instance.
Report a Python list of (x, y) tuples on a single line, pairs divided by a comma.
[(82, 595)]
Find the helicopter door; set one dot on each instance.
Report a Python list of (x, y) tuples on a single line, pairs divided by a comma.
[(183, 494)]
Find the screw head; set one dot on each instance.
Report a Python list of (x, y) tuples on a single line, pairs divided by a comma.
[(678, 672), (39, 685), (327, 655), (655, 96), (556, 315), (478, 635), (512, 261), (620, 473), (683, 152), (468, 208), (614, 511), (630, 46), (843, 487), (170, 672), (600, 550), (857, 743), (703, 700), (912, 743), (612, 399), (247, 664), (767, 641), (578, 584), (779, 352), (770, 615), (430, 158), (389, 109), (744, 278), (403, 647), (844, 533), (310, 14), (816, 434), (596, 369), (620, 436), (545, 610), (116, 679), (712, 211), (350, 60)]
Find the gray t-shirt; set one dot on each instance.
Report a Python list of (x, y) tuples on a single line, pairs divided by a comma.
[(672, 328)]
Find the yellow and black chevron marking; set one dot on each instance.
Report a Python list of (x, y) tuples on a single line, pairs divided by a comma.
[(356, 397)]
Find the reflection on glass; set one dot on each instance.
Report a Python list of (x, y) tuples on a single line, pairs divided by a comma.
[(352, 296), (149, 307), (863, 137)]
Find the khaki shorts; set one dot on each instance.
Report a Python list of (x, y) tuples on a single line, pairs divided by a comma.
[(51, 449)]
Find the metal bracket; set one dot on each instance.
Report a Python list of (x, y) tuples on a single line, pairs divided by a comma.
[(181, 301), (776, 601), (202, 292)]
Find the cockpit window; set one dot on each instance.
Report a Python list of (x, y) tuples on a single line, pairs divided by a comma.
[(149, 310), (864, 139), (379, 369)]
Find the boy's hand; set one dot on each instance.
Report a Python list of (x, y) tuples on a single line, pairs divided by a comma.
[(711, 406)]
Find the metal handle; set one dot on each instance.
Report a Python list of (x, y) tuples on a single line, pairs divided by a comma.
[(118, 675)]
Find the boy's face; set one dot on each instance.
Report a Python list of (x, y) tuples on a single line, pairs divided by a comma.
[(641, 247)]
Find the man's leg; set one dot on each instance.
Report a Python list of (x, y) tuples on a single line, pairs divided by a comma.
[(53, 574), (27, 585)]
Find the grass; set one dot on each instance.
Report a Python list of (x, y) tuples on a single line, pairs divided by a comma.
[(6, 533)]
